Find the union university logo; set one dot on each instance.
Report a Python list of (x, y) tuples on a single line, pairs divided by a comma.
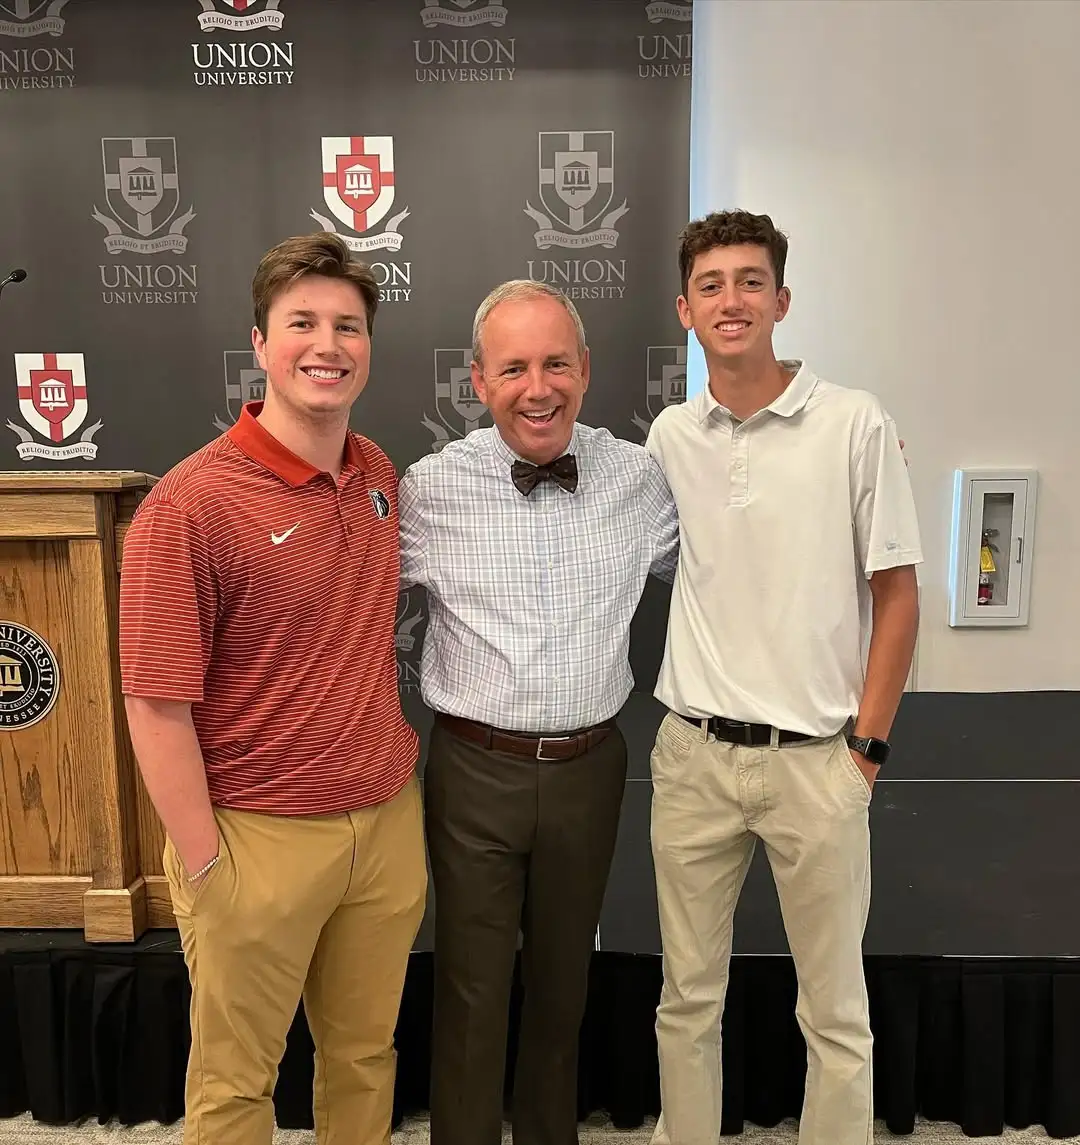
[(245, 381), (358, 187), (29, 677), (456, 405), (25, 18), (142, 192), (665, 382), (52, 400), (468, 14), (240, 15), (658, 10), (576, 188)]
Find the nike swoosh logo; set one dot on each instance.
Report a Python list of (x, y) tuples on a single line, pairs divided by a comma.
[(277, 538)]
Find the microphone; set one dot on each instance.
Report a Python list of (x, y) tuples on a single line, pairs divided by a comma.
[(15, 276)]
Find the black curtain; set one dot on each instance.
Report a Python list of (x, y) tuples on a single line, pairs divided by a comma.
[(101, 1032)]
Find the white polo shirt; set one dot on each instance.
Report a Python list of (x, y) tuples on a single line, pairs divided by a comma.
[(782, 518)]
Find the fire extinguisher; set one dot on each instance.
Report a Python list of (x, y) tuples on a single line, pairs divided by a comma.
[(987, 567)]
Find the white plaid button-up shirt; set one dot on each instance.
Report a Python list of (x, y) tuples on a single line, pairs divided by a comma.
[(530, 598)]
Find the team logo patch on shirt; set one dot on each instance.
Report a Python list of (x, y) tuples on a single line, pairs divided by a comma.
[(379, 500)]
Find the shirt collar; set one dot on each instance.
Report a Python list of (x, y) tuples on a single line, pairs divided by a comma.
[(798, 390), (506, 455), (250, 437), (794, 397)]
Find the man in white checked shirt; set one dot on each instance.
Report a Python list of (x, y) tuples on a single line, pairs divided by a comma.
[(534, 540)]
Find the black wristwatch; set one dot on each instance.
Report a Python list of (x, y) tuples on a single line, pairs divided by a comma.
[(875, 750)]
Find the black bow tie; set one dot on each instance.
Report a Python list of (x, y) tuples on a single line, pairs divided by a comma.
[(563, 471)]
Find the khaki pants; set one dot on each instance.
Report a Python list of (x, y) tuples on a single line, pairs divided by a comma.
[(323, 908), (808, 803)]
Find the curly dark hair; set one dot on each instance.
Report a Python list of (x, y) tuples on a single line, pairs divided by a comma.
[(731, 228)]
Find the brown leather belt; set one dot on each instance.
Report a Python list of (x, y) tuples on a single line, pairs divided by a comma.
[(542, 747)]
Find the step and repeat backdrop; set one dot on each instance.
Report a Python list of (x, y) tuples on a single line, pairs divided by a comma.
[(152, 152)]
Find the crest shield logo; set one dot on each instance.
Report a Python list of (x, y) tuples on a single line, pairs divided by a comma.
[(457, 407), (142, 192), (467, 14), (358, 187), (665, 382), (576, 187), (249, 15), (25, 18), (52, 401), (245, 381), (577, 170), (142, 188)]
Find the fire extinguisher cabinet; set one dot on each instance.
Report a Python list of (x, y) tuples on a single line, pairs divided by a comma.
[(993, 526)]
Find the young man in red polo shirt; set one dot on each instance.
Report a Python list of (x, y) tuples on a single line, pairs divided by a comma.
[(257, 603)]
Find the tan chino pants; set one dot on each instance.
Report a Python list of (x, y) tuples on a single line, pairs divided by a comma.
[(324, 908), (808, 803)]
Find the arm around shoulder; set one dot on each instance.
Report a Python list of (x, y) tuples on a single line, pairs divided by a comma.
[(413, 528), (654, 440), (663, 523)]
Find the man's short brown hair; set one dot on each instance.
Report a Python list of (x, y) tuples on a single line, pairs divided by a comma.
[(319, 253), (731, 228)]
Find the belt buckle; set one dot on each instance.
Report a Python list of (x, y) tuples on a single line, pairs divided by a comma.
[(549, 739), (741, 726)]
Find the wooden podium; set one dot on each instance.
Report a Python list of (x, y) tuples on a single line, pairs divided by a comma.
[(80, 843)]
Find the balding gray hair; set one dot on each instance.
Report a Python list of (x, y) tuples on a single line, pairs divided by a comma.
[(522, 288)]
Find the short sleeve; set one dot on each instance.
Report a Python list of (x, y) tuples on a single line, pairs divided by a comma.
[(883, 510), (413, 533), (168, 606)]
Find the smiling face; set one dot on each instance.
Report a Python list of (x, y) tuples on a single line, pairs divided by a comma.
[(316, 351), (732, 303), (533, 375)]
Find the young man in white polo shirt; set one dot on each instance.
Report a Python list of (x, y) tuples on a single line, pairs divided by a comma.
[(799, 540)]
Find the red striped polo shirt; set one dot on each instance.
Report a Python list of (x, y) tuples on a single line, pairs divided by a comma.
[(265, 594)]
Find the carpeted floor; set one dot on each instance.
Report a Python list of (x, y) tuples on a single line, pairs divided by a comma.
[(25, 1131)]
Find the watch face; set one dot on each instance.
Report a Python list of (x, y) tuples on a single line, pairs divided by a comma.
[(877, 751)]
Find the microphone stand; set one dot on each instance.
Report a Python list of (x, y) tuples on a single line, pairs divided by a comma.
[(15, 276)]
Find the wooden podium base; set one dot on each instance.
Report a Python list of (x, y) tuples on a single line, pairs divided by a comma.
[(29, 902), (115, 915), (32, 901)]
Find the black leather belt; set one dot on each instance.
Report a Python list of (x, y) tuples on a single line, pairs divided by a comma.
[(532, 745), (752, 735)]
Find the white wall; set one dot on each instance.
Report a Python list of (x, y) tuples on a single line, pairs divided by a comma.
[(923, 157)]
